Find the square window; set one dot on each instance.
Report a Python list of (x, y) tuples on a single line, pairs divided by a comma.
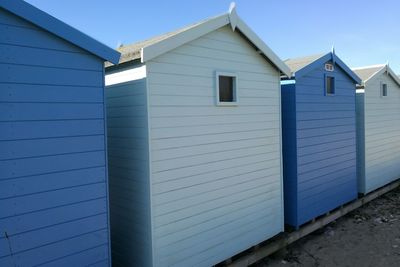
[(384, 89), (330, 85), (226, 89)]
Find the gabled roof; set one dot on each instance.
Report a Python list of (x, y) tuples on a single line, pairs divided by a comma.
[(151, 48), (303, 65), (369, 73), (59, 28), (296, 64)]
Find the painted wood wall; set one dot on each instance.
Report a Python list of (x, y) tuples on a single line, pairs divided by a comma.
[(53, 182), (360, 127), (216, 183), (128, 157), (325, 133), (382, 139)]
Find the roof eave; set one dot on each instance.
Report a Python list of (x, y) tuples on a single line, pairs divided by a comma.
[(329, 56), (159, 48), (385, 69), (59, 28)]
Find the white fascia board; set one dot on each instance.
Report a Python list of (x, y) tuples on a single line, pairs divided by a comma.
[(393, 75), (263, 47), (375, 75), (157, 49)]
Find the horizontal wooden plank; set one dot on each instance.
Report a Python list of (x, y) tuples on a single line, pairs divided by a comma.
[(218, 187), (186, 151), (188, 69), (160, 133), (326, 153), (175, 173), (50, 111), (10, 19), (47, 182), (323, 131), (324, 162), (312, 124), (334, 168), (70, 246), (55, 233), (57, 215), (24, 36), (13, 130), (46, 147), (49, 76), (175, 163), (48, 164), (317, 140), (11, 92), (207, 211), (157, 111), (212, 138), (51, 199), (213, 176), (22, 55), (94, 257)]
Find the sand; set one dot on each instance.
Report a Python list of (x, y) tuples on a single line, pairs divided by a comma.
[(368, 236)]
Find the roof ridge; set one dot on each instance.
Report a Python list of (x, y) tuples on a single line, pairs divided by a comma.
[(369, 67)]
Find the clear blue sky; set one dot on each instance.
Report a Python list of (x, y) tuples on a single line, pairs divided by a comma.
[(364, 32)]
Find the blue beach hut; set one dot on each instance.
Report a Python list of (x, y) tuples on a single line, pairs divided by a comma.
[(53, 174), (319, 137)]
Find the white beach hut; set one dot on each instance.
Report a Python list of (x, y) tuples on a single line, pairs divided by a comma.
[(378, 127), (194, 145)]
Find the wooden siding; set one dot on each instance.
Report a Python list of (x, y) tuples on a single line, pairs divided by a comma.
[(53, 181), (289, 144), (382, 139), (326, 145), (128, 154), (360, 141), (216, 171)]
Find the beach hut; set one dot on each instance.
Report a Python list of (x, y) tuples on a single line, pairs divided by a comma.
[(53, 174), (319, 137), (194, 145), (378, 127)]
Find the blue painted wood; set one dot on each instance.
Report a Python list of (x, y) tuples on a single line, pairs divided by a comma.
[(319, 142), (333, 58), (53, 162), (59, 28)]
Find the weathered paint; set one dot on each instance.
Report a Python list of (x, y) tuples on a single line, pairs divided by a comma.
[(319, 143), (215, 172), (53, 174), (378, 135)]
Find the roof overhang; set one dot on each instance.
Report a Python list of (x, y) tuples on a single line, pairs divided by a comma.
[(385, 69), (49, 23), (331, 56), (231, 18)]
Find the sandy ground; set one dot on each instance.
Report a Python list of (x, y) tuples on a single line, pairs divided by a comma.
[(369, 236)]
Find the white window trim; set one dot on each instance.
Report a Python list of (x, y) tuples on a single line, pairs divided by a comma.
[(387, 91), (235, 88)]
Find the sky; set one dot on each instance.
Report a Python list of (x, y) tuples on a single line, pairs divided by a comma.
[(363, 32)]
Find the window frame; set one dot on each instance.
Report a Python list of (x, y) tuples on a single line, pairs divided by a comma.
[(235, 88), (381, 87), (326, 84)]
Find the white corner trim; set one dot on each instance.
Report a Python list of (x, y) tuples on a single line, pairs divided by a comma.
[(126, 76)]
